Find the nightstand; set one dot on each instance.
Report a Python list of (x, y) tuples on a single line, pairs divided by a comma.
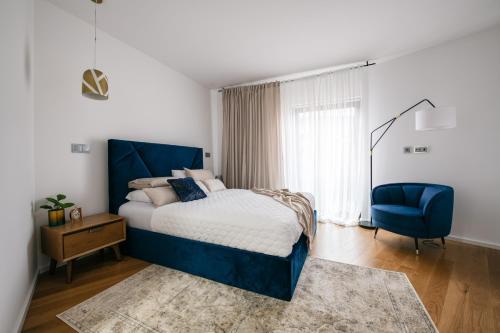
[(75, 239)]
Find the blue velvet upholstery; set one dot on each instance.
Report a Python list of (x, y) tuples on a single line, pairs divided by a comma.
[(261, 273), (413, 209), (129, 160), (269, 275), (187, 189)]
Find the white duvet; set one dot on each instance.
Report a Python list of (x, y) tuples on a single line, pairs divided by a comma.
[(235, 218)]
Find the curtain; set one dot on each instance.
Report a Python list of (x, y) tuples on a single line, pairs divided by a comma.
[(325, 143), (251, 137)]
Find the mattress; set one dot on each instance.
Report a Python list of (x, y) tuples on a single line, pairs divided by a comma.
[(138, 214), (234, 218)]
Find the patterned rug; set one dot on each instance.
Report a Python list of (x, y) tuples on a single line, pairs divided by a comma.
[(330, 297)]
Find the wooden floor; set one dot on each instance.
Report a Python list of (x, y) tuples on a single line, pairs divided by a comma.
[(460, 286)]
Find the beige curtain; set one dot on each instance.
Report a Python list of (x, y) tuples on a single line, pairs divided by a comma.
[(251, 138)]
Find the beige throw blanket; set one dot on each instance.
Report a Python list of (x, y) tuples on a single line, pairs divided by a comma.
[(298, 203)]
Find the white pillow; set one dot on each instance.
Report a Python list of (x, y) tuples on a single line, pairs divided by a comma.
[(214, 185), (199, 174), (178, 173), (138, 195), (202, 186), (161, 195)]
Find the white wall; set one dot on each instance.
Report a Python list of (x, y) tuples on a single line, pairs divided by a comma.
[(17, 240), (466, 74), (148, 101)]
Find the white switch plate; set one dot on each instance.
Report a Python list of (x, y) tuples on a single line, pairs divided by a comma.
[(80, 148)]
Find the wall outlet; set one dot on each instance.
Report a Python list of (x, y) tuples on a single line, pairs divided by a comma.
[(421, 149), (407, 150), (80, 148), (207, 155)]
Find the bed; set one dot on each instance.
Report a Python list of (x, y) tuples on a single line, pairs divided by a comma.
[(270, 269)]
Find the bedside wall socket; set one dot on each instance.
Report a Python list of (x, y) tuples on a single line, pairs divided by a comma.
[(421, 149)]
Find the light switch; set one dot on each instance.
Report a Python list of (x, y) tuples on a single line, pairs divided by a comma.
[(80, 148)]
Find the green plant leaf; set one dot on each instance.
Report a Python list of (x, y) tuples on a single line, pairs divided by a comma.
[(67, 204), (46, 207), (54, 201), (60, 197)]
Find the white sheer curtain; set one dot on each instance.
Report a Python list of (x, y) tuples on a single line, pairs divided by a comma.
[(325, 143)]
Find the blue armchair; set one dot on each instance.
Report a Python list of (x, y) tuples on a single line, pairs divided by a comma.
[(413, 209)]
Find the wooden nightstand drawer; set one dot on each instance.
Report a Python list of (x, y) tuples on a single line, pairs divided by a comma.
[(87, 240)]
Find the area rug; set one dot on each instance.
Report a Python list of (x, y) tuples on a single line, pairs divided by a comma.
[(330, 297)]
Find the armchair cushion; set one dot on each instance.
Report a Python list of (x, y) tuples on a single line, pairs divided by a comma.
[(427, 195), (401, 217), (413, 194), (389, 194)]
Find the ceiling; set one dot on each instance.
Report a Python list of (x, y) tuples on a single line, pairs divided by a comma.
[(224, 42)]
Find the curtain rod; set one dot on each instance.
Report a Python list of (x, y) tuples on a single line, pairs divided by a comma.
[(312, 75)]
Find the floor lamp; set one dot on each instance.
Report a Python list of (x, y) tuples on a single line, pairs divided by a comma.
[(425, 119)]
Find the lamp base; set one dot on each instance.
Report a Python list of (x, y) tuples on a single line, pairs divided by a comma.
[(367, 224)]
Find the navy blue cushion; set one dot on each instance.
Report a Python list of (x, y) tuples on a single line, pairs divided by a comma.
[(412, 194), (427, 195), (186, 189), (399, 216), (391, 194)]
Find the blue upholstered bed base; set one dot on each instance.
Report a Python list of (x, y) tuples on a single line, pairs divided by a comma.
[(261, 273)]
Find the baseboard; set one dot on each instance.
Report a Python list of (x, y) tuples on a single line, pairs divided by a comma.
[(474, 242), (44, 269), (26, 304)]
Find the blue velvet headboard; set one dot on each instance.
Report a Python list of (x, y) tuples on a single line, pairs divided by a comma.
[(129, 160)]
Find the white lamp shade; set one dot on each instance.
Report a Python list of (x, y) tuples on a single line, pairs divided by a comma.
[(435, 118)]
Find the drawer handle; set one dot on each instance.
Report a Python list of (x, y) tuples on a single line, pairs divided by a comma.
[(96, 229)]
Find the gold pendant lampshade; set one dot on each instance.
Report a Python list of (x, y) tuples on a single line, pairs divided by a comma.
[(95, 84), (94, 81)]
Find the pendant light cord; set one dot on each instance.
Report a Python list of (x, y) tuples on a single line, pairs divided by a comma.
[(95, 34)]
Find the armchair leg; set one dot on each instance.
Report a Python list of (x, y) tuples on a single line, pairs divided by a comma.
[(416, 246), (375, 235), (444, 244)]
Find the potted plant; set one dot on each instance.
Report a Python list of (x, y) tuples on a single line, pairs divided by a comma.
[(56, 211)]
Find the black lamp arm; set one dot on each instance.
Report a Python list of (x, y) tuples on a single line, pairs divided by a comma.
[(391, 121)]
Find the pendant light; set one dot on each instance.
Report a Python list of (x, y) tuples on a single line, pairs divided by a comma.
[(94, 81)]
